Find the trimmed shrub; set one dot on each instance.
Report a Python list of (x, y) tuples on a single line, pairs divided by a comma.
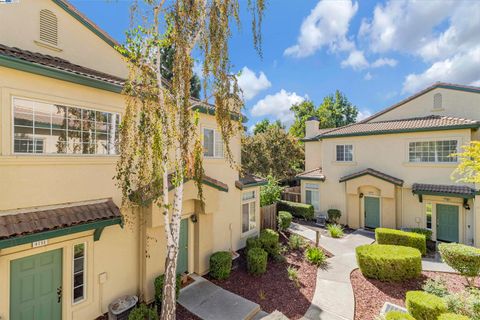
[(315, 256), (466, 302), (143, 312), (284, 220), (336, 230), (452, 316), (426, 232), (253, 242), (270, 242), (257, 261), (436, 287), (299, 210), (401, 238), (464, 259), (158, 283), (296, 242), (220, 265), (424, 306), (389, 263), (334, 215), (397, 315)]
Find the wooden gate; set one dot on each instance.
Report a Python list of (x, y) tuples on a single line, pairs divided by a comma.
[(268, 217), (292, 194)]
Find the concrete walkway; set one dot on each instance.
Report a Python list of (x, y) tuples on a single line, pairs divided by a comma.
[(333, 298), (210, 302)]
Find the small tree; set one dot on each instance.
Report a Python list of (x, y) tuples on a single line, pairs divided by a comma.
[(468, 169), (271, 192)]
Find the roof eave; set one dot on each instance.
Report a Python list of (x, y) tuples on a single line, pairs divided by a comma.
[(397, 183)]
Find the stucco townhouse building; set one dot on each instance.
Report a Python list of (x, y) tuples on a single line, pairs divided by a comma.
[(64, 250), (394, 168)]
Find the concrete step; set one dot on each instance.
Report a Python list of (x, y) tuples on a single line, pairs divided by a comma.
[(275, 315), (260, 315)]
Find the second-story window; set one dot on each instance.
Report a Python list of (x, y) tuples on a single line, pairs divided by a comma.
[(432, 151), (212, 143), (344, 152), (47, 128)]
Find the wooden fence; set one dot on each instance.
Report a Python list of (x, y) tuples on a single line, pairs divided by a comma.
[(291, 194), (268, 217)]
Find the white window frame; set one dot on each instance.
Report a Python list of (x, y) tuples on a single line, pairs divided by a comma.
[(34, 100), (249, 202), (84, 298), (316, 189), (344, 153), (409, 160), (215, 135)]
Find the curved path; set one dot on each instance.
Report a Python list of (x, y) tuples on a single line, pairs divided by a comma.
[(333, 298)]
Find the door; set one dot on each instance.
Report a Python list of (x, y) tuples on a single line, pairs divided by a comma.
[(35, 287), (372, 212), (447, 223), (182, 262)]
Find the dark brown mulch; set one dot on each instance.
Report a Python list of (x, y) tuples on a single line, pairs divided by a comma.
[(370, 294), (274, 290)]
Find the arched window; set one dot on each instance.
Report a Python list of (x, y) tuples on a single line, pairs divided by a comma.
[(48, 27)]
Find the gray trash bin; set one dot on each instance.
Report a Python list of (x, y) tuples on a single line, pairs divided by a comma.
[(121, 308)]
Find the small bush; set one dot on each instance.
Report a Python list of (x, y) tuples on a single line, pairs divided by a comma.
[(220, 265), (284, 220), (158, 283), (143, 312), (462, 258), (452, 316), (426, 232), (424, 306), (436, 287), (299, 210), (466, 303), (336, 230), (270, 242), (257, 261), (253, 242), (389, 263), (315, 256), (401, 238), (293, 275), (296, 242), (397, 315), (334, 215)]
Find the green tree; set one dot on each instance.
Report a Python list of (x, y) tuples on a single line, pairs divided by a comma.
[(468, 169), (273, 152), (263, 126), (271, 192), (302, 111)]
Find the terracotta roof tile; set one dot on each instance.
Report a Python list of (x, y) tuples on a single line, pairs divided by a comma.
[(22, 223), (422, 188), (375, 173), (314, 174)]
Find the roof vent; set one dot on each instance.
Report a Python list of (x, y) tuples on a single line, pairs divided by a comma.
[(48, 27), (437, 101)]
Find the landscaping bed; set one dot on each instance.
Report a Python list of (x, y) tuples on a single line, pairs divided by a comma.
[(273, 290), (370, 295)]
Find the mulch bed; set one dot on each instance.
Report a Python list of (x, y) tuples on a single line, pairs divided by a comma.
[(370, 294), (274, 290)]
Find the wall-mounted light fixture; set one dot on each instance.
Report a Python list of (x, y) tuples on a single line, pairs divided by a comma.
[(466, 206), (194, 218), (360, 195)]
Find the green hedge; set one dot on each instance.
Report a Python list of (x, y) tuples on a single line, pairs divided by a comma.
[(253, 242), (397, 315), (424, 306), (220, 265), (389, 263), (284, 220), (270, 242), (143, 312), (334, 215), (401, 238), (464, 259), (452, 316), (299, 210), (158, 283), (257, 261), (426, 232)]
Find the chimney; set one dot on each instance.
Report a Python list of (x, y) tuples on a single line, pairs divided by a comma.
[(312, 127)]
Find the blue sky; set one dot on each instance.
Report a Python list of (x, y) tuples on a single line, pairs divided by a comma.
[(375, 52)]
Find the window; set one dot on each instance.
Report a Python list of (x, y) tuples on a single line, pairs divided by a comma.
[(344, 152), (432, 151), (312, 195), (428, 212), (45, 128), (79, 292), (248, 211), (212, 143)]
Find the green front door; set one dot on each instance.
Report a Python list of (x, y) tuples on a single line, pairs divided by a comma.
[(182, 262), (35, 287), (447, 223), (372, 212)]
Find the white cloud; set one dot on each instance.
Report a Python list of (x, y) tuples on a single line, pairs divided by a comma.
[(363, 114), (384, 62), (356, 60), (250, 84), (462, 68), (368, 76), (277, 105), (326, 25)]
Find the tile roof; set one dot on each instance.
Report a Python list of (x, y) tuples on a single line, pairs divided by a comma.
[(59, 64), (249, 180), (452, 190), (375, 173), (314, 174), (29, 222), (428, 123)]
